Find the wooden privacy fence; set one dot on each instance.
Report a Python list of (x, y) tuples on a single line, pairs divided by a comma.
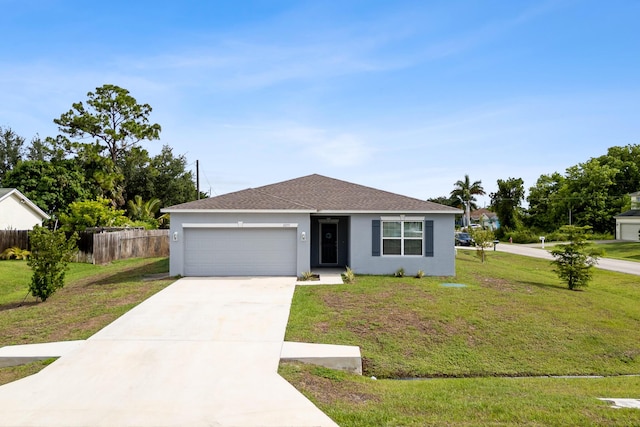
[(11, 238), (104, 247), (125, 244)]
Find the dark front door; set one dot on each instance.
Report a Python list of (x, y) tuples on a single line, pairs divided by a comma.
[(328, 243)]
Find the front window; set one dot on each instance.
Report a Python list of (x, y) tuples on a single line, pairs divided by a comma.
[(402, 238)]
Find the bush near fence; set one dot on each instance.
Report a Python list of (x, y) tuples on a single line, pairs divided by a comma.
[(103, 246)]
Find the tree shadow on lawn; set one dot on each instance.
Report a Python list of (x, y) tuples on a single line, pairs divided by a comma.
[(17, 304), (547, 285), (129, 275)]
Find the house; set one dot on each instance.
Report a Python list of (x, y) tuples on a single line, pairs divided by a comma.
[(17, 212), (308, 223), (485, 218), (628, 223)]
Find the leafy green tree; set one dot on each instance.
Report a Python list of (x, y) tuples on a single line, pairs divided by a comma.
[(574, 261), (51, 253), (444, 200), (173, 184), (626, 161), (548, 209), (483, 239), (11, 151), (49, 149), (139, 175), (464, 193), (112, 118), (52, 186), (92, 213), (589, 191), (115, 123), (506, 203), (106, 179)]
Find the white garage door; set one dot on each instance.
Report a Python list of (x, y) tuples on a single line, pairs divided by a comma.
[(240, 252), (629, 231)]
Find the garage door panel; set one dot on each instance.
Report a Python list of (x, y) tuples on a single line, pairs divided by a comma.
[(630, 231), (240, 252)]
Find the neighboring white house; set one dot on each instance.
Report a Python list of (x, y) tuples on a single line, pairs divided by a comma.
[(628, 223), (17, 212), (291, 227)]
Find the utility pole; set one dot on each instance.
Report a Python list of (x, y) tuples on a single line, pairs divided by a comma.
[(198, 179)]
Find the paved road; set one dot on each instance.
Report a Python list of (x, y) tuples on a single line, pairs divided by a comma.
[(621, 266), (202, 352)]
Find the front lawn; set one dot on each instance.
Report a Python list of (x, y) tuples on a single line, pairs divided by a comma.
[(513, 319), (355, 401), (92, 297), (628, 251)]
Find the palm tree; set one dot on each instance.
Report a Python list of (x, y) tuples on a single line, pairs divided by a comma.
[(464, 192), (143, 211)]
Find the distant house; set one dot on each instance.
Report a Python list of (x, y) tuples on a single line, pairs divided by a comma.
[(628, 223), (485, 218), (291, 227), (17, 212)]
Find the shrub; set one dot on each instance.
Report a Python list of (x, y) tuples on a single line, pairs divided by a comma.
[(419, 274), (484, 239), (92, 213), (307, 275), (15, 253), (349, 276), (399, 272), (574, 261), (51, 252)]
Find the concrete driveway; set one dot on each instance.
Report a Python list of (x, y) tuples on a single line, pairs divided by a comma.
[(202, 352)]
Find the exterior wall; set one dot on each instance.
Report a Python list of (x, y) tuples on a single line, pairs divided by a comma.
[(628, 229), (15, 215), (441, 264), (176, 264)]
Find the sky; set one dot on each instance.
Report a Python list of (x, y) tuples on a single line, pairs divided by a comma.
[(404, 96)]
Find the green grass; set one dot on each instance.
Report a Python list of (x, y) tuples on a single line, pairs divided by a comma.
[(357, 401), (514, 319), (93, 296), (629, 251)]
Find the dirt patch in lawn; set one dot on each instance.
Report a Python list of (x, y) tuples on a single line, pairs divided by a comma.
[(387, 313), (328, 391)]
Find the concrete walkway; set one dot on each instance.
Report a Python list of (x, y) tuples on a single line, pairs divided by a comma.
[(202, 352), (629, 267)]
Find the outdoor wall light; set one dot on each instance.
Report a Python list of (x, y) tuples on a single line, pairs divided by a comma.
[(175, 236), (303, 236)]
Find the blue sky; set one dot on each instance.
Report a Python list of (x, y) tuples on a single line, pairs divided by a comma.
[(406, 96)]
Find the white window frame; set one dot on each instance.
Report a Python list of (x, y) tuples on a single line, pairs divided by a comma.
[(402, 220)]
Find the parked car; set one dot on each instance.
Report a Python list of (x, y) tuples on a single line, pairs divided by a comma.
[(472, 227), (463, 239)]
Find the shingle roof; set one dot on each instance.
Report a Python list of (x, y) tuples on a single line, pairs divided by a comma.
[(633, 212), (479, 212), (314, 193)]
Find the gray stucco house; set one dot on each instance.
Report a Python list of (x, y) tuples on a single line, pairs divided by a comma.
[(308, 223)]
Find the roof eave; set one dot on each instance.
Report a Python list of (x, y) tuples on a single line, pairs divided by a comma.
[(393, 211), (24, 199), (169, 210)]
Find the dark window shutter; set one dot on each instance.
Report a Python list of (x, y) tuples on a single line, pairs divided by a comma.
[(428, 238), (375, 237)]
